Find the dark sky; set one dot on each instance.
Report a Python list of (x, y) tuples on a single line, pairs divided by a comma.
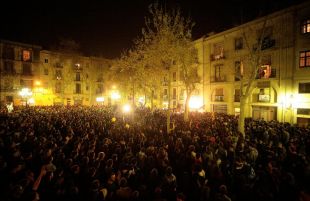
[(106, 28)]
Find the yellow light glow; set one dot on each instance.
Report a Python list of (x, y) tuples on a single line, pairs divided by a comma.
[(141, 100), (25, 92), (126, 108), (31, 101), (38, 83), (115, 95), (195, 102), (165, 104), (100, 99)]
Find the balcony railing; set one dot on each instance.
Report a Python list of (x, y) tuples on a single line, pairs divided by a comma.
[(263, 75), (58, 65), (215, 57), (218, 78), (219, 98)]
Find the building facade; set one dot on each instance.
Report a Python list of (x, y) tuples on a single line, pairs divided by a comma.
[(282, 81), (32, 76)]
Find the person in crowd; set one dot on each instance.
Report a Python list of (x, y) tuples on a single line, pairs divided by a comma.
[(88, 153)]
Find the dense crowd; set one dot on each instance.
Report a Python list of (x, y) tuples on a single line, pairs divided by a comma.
[(98, 154)]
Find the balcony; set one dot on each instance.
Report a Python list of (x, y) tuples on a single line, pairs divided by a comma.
[(218, 78), (77, 67), (266, 73), (215, 57), (219, 98), (58, 65)]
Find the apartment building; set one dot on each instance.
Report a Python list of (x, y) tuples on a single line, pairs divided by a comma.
[(282, 81), (33, 76)]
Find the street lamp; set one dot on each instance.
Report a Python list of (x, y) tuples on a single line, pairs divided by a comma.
[(25, 93)]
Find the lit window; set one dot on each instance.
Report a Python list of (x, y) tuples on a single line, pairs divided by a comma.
[(304, 59), (305, 26), (264, 71), (26, 55)]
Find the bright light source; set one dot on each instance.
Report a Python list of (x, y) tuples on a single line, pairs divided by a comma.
[(195, 102), (115, 95), (141, 100), (100, 99), (165, 104), (31, 101), (126, 108), (25, 92), (38, 83)]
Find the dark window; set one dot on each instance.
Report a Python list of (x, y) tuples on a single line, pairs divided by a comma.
[(305, 26), (304, 88), (237, 95), (239, 43), (174, 76), (8, 67), (78, 88), (45, 60), (237, 70), (26, 69), (8, 53), (174, 93), (58, 87), (217, 73), (87, 87), (77, 77), (304, 59)]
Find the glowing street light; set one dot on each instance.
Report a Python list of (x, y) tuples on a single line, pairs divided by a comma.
[(115, 95), (126, 108)]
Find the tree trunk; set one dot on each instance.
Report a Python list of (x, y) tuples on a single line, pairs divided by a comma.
[(133, 94), (242, 115), (168, 111), (186, 111), (152, 99)]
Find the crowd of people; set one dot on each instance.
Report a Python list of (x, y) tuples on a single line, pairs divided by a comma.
[(99, 154)]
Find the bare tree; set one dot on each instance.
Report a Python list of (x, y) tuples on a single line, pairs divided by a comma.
[(254, 41)]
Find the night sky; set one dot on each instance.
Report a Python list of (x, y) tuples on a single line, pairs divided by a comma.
[(106, 28)]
